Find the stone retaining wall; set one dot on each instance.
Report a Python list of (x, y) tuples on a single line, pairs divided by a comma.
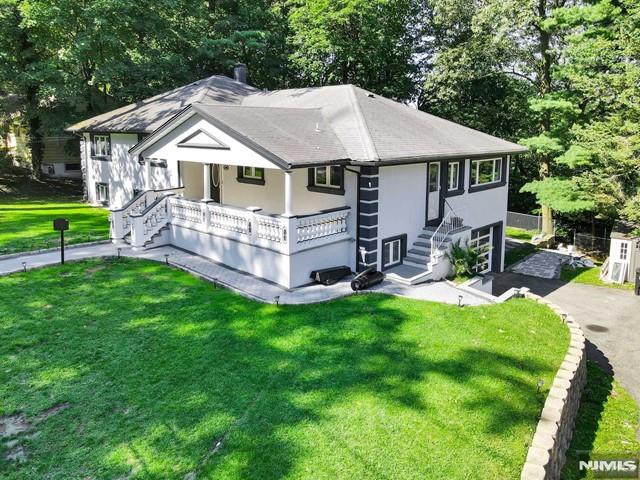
[(547, 452)]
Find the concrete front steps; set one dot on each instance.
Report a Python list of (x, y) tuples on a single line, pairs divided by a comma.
[(416, 265)]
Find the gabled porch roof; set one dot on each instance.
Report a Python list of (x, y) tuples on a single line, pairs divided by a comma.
[(287, 137)]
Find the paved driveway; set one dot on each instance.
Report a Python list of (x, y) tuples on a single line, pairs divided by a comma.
[(610, 320)]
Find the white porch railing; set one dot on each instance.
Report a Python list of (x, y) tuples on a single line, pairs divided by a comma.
[(449, 223), (145, 224), (314, 227), (284, 234), (120, 218)]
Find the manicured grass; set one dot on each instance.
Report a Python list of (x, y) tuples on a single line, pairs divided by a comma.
[(165, 375), (607, 424), (590, 276), (27, 224), (518, 253), (520, 234)]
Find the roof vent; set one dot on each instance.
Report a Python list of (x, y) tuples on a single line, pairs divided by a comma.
[(371, 95), (317, 127), (240, 73)]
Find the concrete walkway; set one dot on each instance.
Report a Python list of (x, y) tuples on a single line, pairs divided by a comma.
[(243, 283), (610, 319)]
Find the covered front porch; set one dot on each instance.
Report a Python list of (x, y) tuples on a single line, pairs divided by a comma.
[(273, 228)]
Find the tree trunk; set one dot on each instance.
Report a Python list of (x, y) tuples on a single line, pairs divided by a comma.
[(36, 145)]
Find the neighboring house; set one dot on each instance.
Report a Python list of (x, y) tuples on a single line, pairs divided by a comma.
[(281, 183), (60, 159), (624, 253)]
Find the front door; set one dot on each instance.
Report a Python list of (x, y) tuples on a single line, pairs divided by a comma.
[(433, 193), (215, 182)]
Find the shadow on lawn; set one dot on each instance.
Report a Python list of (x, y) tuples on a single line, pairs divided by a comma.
[(227, 376), (592, 404)]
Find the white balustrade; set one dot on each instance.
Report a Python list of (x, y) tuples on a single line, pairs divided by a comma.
[(187, 211), (229, 219), (273, 229), (324, 225)]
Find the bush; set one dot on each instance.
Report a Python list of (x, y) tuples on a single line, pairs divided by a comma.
[(464, 259)]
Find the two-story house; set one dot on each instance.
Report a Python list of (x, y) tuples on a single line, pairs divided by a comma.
[(281, 183)]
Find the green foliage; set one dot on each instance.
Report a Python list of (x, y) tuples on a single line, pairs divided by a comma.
[(607, 422), (346, 42), (164, 376), (464, 259), (562, 195)]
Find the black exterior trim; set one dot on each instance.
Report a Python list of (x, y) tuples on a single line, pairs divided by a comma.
[(461, 171), (368, 207), (369, 220), (496, 251), (312, 187), (489, 186), (443, 186), (403, 249), (364, 232), (240, 178)]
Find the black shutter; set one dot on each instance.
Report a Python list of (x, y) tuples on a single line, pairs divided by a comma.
[(311, 177)]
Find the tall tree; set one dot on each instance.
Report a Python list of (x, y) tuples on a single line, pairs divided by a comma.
[(366, 42)]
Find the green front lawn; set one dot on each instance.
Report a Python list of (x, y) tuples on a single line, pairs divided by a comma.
[(27, 224), (589, 276), (520, 234), (160, 375), (607, 424)]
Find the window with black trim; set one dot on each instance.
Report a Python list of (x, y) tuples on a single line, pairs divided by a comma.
[(328, 179), (393, 250), (486, 171), (453, 176), (101, 146), (253, 175), (102, 193)]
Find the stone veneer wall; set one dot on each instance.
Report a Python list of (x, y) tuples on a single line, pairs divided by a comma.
[(547, 452)]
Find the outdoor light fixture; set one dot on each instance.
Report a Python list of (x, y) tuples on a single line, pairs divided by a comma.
[(24, 266), (539, 384), (276, 300), (119, 250), (166, 258), (460, 300), (564, 318)]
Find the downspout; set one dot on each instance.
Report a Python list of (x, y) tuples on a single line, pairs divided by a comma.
[(357, 216)]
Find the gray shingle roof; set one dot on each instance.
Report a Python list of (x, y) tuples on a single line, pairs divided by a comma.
[(149, 114), (354, 123), (295, 135)]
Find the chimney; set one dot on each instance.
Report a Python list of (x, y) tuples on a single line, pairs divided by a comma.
[(240, 73)]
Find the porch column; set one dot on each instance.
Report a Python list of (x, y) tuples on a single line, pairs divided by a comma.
[(147, 174), (207, 182), (288, 194)]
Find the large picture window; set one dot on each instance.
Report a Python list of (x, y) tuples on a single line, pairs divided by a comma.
[(101, 146), (328, 179), (485, 172), (254, 175)]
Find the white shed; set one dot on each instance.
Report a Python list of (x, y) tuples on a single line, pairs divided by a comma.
[(624, 252)]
